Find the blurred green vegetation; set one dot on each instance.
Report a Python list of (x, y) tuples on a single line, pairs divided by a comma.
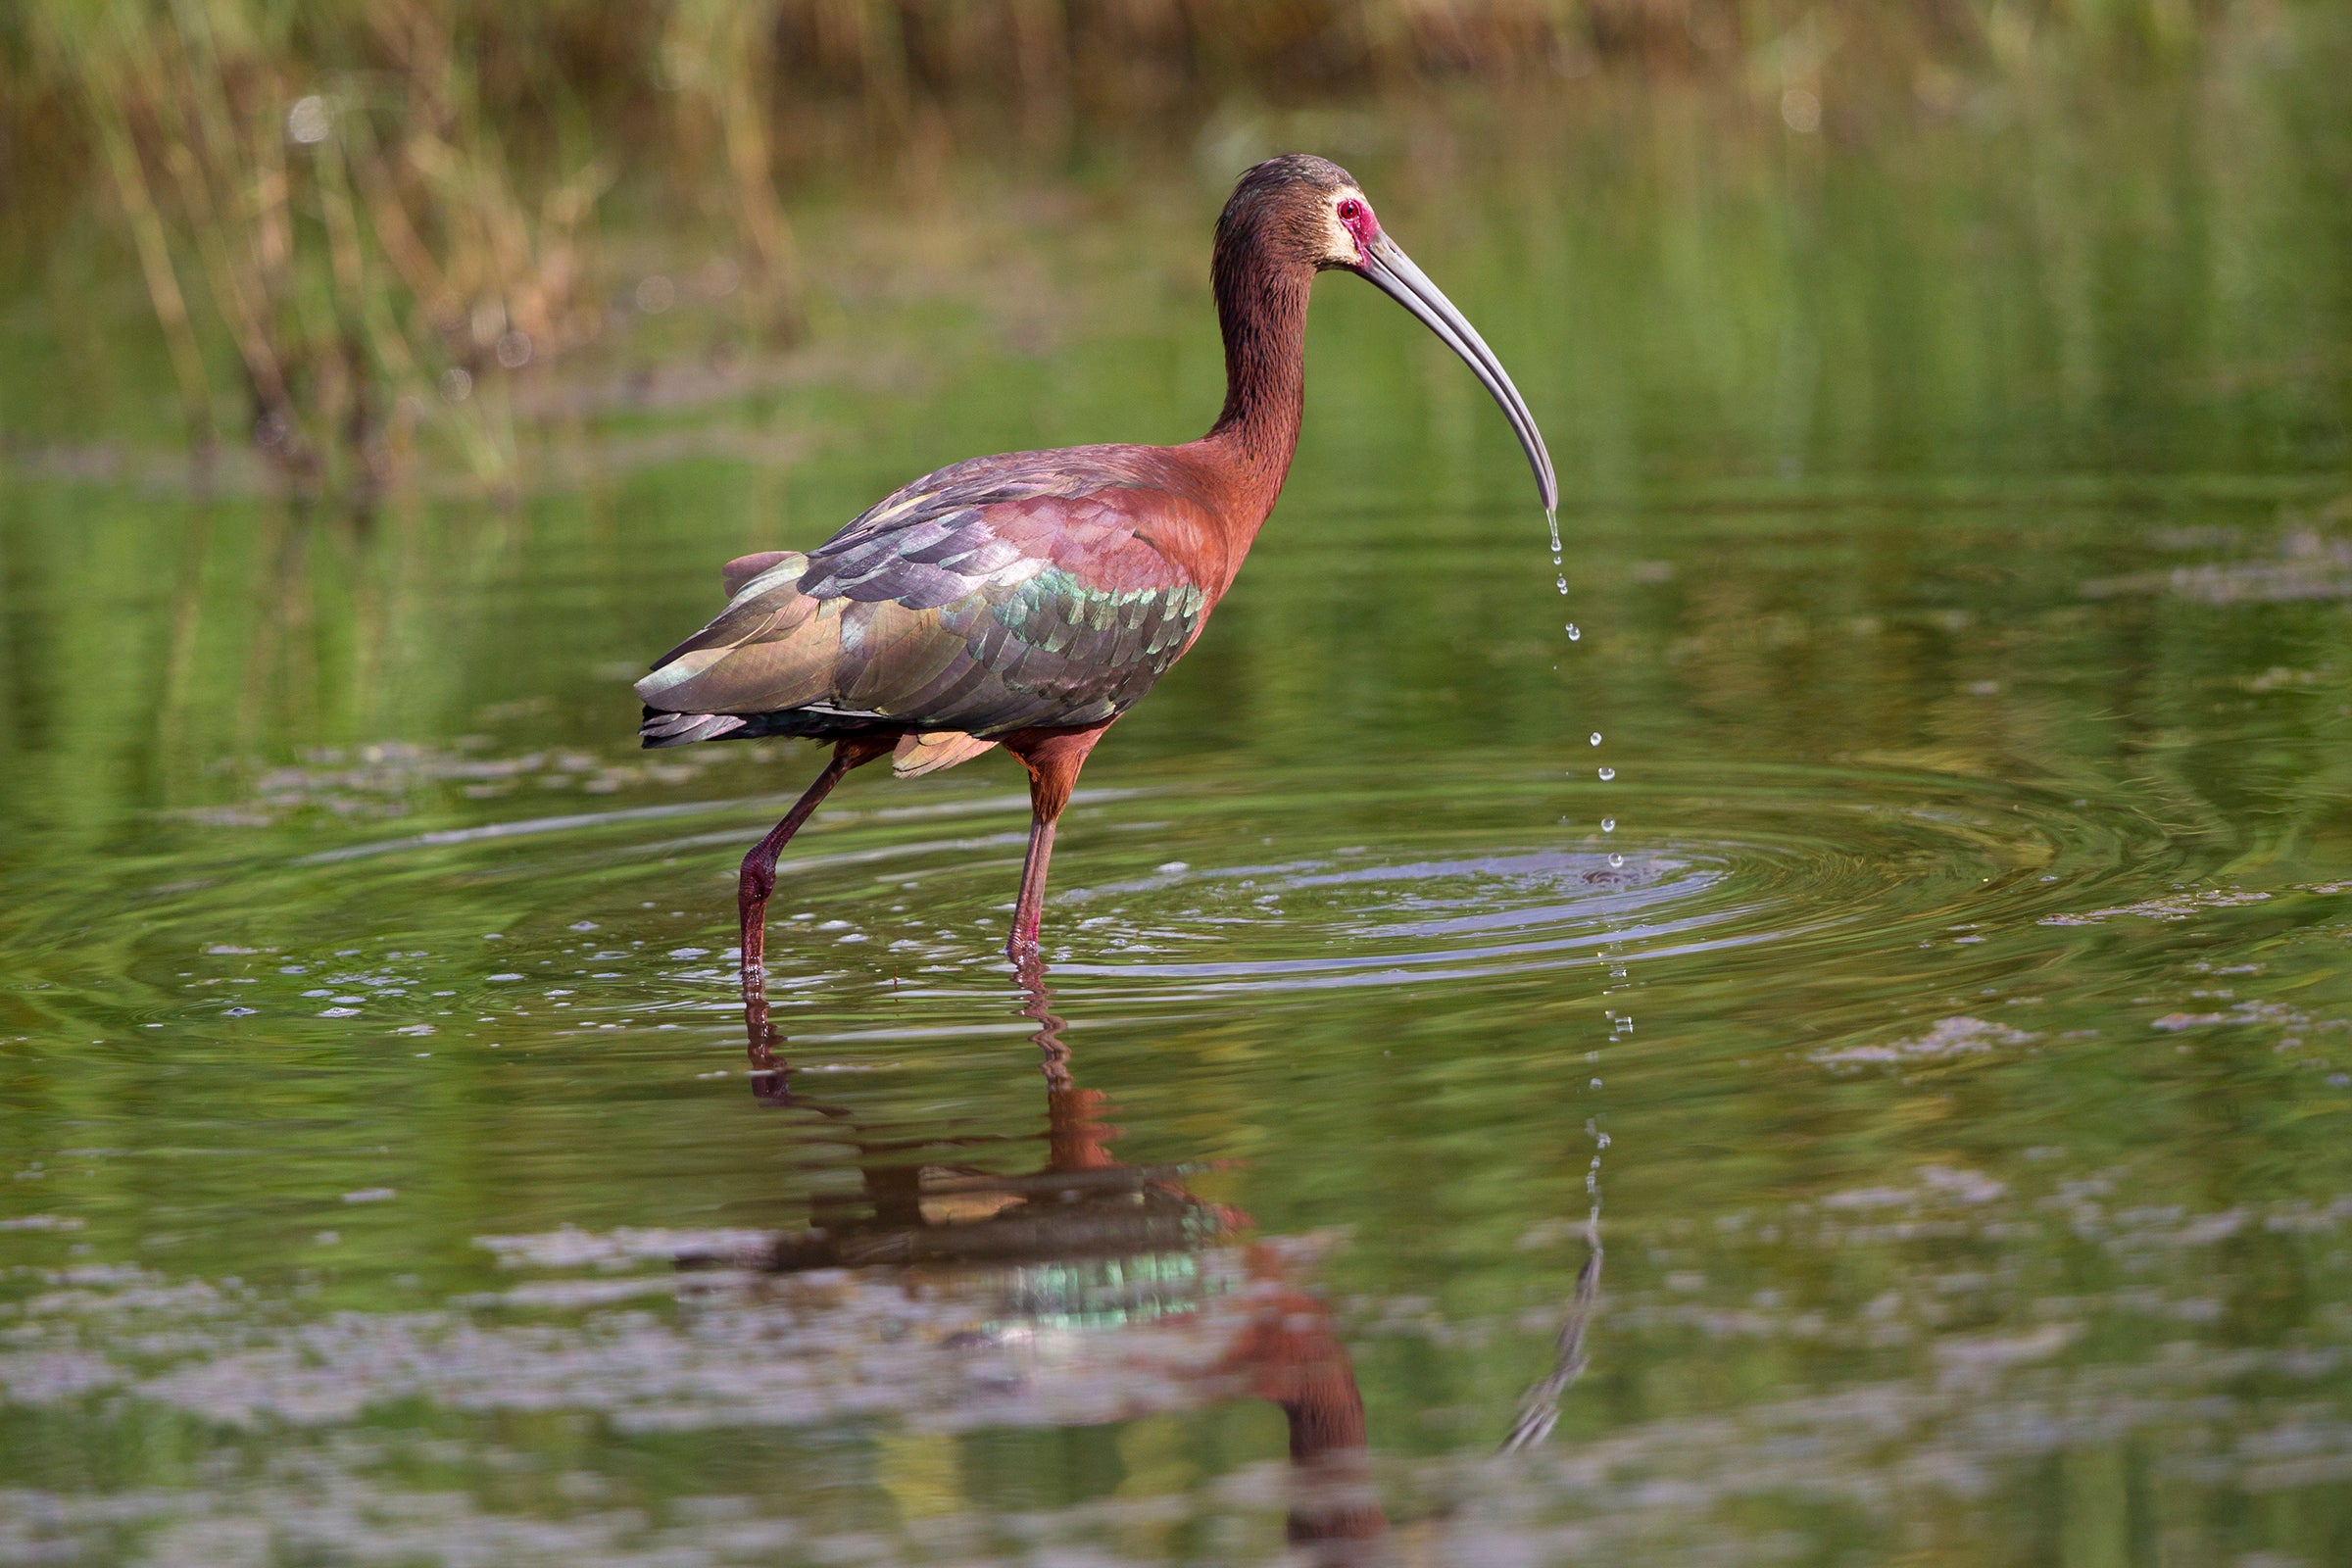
[(1955, 407), (350, 225), (2090, 302)]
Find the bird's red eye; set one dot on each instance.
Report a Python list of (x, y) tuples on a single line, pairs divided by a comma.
[(1350, 210)]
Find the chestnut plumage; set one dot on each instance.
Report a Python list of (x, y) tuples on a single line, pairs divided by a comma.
[(1027, 600)]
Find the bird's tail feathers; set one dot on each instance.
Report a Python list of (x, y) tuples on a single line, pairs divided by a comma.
[(661, 729)]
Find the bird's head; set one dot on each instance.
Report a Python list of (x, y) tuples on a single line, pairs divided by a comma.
[(1302, 211), (1299, 209)]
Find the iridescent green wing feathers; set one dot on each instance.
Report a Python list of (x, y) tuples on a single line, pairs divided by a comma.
[(992, 596)]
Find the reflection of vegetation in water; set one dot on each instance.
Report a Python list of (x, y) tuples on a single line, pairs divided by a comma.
[(370, 220), (1960, 540), (2151, 283)]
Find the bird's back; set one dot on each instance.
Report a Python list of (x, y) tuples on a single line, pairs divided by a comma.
[(1026, 590)]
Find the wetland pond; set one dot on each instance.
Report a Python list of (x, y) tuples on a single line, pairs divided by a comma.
[(1942, 1002)]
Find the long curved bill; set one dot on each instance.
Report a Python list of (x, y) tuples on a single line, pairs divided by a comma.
[(1396, 275)]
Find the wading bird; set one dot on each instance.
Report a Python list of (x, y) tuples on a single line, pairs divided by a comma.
[(1027, 600)]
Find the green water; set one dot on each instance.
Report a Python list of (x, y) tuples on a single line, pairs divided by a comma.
[(1945, 1007)]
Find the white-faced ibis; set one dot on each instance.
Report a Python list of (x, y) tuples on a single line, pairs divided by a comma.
[(1027, 600)]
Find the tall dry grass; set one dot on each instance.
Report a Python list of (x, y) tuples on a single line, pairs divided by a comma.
[(355, 234)]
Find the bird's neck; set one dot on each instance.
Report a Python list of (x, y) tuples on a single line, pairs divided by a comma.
[(1262, 306)]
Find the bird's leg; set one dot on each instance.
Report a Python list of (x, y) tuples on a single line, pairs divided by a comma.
[(759, 877), (1029, 910), (1053, 758)]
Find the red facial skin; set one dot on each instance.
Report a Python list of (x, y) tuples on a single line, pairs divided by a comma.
[(1356, 214)]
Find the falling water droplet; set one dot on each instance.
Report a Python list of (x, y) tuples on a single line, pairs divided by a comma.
[(1607, 773), (1561, 583), (1616, 861), (1552, 520), (1608, 824), (1573, 633), (1597, 737)]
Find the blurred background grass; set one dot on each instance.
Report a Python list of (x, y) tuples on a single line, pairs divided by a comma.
[(355, 227)]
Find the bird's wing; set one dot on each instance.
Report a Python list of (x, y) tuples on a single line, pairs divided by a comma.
[(984, 599)]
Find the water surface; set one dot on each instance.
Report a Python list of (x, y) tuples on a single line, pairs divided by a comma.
[(1944, 1006)]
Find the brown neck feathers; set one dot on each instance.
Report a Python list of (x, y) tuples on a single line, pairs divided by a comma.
[(1262, 306)]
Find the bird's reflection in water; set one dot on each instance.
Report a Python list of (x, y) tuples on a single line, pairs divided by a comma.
[(1087, 1245)]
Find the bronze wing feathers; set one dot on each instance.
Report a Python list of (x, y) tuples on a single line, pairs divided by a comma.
[(992, 596)]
